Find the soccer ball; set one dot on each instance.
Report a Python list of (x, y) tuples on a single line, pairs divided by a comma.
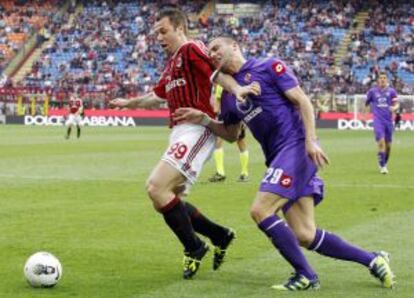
[(42, 270)]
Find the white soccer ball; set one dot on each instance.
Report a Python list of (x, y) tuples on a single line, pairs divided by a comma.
[(42, 270)]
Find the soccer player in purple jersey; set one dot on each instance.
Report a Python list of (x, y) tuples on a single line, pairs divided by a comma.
[(281, 119), (383, 102)]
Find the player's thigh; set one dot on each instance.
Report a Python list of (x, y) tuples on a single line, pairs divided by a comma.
[(78, 120), (388, 134), (71, 120), (164, 178), (266, 204), (301, 219)]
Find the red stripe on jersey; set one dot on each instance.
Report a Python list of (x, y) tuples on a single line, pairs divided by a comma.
[(188, 75), (193, 81), (185, 96), (207, 60)]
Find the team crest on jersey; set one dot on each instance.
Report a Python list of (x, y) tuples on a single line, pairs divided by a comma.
[(286, 181), (247, 77), (179, 61), (278, 68)]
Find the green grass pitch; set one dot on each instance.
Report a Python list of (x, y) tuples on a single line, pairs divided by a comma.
[(84, 201)]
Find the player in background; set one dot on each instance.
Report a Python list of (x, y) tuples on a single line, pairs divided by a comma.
[(185, 82), (383, 101), (282, 121), (220, 174), (75, 116)]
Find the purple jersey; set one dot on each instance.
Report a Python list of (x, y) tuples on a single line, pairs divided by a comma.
[(276, 124), (381, 101), (273, 120)]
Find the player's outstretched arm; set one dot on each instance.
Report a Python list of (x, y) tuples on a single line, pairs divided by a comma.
[(230, 85), (395, 106), (229, 133), (146, 101), (300, 99)]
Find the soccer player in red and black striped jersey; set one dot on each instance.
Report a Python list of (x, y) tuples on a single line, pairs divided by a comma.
[(185, 82), (74, 116)]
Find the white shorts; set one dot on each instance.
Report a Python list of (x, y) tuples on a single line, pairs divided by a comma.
[(74, 119), (189, 148)]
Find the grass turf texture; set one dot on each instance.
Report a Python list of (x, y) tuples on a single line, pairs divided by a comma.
[(84, 201)]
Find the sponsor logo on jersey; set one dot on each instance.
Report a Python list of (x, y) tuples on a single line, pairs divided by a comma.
[(174, 83), (252, 114), (382, 102), (278, 68)]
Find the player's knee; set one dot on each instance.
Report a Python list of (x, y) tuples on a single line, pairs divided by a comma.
[(258, 213), (153, 189), (305, 236)]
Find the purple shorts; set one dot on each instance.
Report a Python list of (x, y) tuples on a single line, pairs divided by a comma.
[(383, 131), (292, 175)]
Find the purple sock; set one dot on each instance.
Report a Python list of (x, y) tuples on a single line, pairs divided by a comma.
[(330, 245), (381, 159), (285, 241), (387, 157)]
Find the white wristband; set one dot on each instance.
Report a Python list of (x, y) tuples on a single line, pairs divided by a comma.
[(205, 121)]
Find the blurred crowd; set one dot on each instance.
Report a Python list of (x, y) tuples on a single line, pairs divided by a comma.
[(104, 49)]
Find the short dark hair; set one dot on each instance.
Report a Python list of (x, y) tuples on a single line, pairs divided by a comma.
[(176, 16), (382, 73)]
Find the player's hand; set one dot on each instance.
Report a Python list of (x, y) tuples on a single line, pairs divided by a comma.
[(316, 153), (188, 115), (243, 91), (119, 103)]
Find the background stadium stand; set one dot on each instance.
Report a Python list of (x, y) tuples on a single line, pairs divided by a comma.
[(103, 49)]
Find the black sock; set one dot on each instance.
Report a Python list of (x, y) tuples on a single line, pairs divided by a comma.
[(175, 215), (69, 130), (204, 226), (78, 132)]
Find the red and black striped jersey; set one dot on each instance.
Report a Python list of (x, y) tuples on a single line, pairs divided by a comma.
[(75, 104), (185, 81)]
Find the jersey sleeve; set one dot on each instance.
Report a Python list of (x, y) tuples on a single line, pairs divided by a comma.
[(281, 75), (159, 88), (197, 54), (394, 96), (226, 113), (368, 100)]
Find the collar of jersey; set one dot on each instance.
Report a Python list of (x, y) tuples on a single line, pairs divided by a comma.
[(246, 65)]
